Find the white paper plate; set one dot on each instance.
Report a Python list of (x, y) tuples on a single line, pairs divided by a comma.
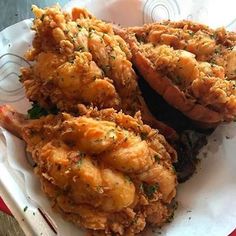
[(207, 202)]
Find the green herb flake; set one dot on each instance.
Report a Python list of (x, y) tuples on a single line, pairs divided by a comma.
[(90, 34), (36, 111), (213, 61), (128, 179), (135, 220), (191, 33), (71, 60), (113, 57), (143, 135), (217, 50), (177, 80), (25, 208), (173, 168), (213, 36), (157, 158), (79, 162), (111, 134), (149, 190), (80, 48), (81, 154)]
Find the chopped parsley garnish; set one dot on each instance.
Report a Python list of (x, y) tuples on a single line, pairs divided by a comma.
[(213, 36), (90, 34), (25, 208), (127, 178), (80, 48), (173, 168), (81, 154), (36, 111), (71, 60), (217, 50), (143, 135), (149, 189), (191, 33), (157, 158), (177, 80), (111, 134), (79, 162)]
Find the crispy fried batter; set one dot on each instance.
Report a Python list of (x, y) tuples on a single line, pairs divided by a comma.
[(79, 59), (214, 46), (104, 170), (176, 60)]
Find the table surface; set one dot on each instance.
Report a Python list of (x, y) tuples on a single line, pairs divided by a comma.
[(11, 12)]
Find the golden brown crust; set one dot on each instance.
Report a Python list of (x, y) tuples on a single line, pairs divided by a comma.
[(79, 59), (205, 111), (103, 170)]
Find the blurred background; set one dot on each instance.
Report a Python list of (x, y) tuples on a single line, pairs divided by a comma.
[(12, 11)]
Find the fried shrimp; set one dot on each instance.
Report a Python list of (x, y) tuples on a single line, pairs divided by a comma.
[(179, 61), (104, 171), (79, 59)]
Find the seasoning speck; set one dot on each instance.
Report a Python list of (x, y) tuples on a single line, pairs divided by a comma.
[(25, 209)]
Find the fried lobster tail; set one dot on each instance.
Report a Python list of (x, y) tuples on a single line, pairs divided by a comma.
[(104, 170), (189, 65), (79, 59)]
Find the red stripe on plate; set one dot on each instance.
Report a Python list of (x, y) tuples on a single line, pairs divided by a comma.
[(3, 207), (233, 233)]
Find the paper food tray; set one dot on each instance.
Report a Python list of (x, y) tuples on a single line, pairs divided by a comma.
[(207, 203)]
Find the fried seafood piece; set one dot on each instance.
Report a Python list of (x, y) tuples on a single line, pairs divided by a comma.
[(213, 46), (79, 59), (103, 170), (185, 78)]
